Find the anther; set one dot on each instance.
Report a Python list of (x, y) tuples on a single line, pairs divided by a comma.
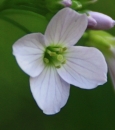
[(61, 50), (64, 62), (58, 66), (51, 53), (60, 57), (46, 60), (56, 49), (64, 48)]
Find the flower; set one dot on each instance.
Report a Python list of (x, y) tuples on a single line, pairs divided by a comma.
[(99, 21), (53, 63)]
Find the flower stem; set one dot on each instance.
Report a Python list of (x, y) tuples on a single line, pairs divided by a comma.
[(15, 23)]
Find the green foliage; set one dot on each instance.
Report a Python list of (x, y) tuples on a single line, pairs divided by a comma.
[(37, 6), (31, 21)]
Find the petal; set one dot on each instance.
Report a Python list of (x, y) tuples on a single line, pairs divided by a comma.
[(66, 27), (28, 51), (85, 67), (49, 91)]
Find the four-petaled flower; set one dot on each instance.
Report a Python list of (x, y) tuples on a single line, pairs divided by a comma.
[(53, 63)]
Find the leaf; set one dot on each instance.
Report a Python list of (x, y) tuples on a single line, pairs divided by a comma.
[(30, 20), (37, 6)]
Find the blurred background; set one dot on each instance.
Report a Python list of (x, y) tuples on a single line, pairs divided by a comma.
[(85, 109)]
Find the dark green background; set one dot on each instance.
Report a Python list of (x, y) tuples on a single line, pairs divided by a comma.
[(85, 109)]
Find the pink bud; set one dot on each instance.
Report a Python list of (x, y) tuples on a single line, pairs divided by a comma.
[(91, 22), (66, 3), (103, 21)]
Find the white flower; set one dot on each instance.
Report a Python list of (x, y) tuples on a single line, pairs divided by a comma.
[(53, 63)]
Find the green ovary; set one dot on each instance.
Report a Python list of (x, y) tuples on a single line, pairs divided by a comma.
[(54, 55)]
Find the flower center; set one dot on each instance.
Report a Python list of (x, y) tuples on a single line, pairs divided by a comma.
[(54, 55)]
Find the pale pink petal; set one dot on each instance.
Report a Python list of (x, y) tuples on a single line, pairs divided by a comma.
[(66, 27), (85, 67), (28, 51), (49, 91)]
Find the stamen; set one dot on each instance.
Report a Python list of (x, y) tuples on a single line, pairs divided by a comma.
[(51, 53), (64, 48), (61, 50), (64, 62), (46, 60), (57, 49), (60, 57), (58, 66), (54, 56)]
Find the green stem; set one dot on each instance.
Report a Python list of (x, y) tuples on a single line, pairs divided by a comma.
[(15, 24)]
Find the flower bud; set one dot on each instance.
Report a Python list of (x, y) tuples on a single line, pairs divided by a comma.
[(104, 22), (66, 3), (76, 5), (91, 22), (55, 5)]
